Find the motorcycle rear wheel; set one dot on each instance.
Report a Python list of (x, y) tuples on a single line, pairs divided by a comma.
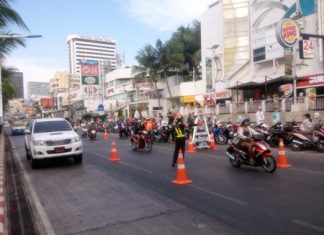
[(320, 147), (148, 146), (274, 142), (221, 139), (270, 165)]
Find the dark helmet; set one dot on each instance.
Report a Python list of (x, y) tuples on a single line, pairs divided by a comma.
[(307, 115)]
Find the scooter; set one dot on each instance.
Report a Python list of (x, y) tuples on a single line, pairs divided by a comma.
[(145, 142), (92, 134), (238, 155), (300, 141)]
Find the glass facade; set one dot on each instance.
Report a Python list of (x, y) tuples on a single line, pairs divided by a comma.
[(236, 35)]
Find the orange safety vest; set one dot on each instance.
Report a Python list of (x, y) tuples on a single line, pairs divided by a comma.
[(149, 125)]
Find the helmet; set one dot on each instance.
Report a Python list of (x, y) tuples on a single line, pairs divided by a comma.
[(316, 115), (307, 115), (243, 119)]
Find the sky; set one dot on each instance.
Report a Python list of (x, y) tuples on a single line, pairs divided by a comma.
[(132, 23)]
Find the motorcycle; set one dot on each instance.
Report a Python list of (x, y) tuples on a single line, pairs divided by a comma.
[(84, 132), (238, 155), (280, 131), (300, 141), (144, 142), (123, 131), (92, 134)]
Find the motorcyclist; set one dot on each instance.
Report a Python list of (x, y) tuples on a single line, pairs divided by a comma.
[(245, 134), (92, 126), (307, 125), (137, 130)]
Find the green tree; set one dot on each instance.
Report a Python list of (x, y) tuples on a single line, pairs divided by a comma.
[(149, 67), (8, 90)]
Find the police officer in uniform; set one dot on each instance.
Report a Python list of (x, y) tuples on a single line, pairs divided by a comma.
[(180, 139)]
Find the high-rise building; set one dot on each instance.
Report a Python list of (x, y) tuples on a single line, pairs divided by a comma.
[(38, 89), (91, 48), (17, 79)]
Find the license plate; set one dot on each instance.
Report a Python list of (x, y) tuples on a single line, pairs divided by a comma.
[(59, 150)]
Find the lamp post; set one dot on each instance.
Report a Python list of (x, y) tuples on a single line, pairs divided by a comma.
[(6, 37)]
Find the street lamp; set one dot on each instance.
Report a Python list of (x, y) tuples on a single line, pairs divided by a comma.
[(5, 37)]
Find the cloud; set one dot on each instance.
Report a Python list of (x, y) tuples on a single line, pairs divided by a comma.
[(166, 15)]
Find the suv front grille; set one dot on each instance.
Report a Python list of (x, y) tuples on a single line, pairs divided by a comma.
[(58, 142)]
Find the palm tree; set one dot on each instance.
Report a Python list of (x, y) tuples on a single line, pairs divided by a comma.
[(149, 67)]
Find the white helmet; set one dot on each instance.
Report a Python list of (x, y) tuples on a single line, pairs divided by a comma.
[(316, 115)]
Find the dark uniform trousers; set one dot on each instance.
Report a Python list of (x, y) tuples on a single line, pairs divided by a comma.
[(180, 143)]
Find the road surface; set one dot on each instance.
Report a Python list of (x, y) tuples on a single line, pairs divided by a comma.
[(136, 196)]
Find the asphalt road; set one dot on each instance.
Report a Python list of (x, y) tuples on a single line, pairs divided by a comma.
[(136, 196)]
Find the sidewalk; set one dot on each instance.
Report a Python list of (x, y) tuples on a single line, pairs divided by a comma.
[(2, 184)]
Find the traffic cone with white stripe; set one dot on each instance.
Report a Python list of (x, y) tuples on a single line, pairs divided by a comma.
[(105, 135), (114, 154), (181, 177), (282, 160), (212, 144), (191, 148)]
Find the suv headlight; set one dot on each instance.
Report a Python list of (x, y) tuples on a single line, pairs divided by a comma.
[(75, 139), (39, 143)]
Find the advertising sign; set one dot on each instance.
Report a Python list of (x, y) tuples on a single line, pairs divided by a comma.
[(209, 74), (287, 33), (306, 49), (90, 76), (311, 81), (287, 89), (47, 102), (288, 61)]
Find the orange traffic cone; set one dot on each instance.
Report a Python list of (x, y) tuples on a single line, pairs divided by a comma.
[(114, 154), (282, 160), (191, 148), (105, 135), (181, 177), (212, 144)]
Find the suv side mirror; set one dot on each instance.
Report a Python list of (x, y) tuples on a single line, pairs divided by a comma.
[(27, 132)]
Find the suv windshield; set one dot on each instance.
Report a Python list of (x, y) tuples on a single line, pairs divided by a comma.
[(51, 126)]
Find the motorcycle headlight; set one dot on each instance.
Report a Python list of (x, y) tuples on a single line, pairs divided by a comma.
[(39, 143), (75, 140)]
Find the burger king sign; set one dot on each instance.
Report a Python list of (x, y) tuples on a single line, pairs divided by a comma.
[(287, 33)]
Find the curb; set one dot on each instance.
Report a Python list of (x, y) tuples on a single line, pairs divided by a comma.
[(41, 219), (2, 186)]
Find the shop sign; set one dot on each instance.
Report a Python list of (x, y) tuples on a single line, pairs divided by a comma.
[(259, 54), (287, 89), (287, 33), (311, 81), (288, 51), (188, 99), (217, 95), (306, 49)]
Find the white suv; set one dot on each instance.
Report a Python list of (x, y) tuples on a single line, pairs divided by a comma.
[(52, 138)]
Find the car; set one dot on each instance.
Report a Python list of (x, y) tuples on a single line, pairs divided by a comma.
[(52, 138), (18, 128)]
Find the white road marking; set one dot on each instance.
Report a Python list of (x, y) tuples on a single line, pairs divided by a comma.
[(220, 195), (308, 171), (136, 167), (308, 225)]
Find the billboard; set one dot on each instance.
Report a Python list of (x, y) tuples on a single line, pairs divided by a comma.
[(90, 81), (47, 102)]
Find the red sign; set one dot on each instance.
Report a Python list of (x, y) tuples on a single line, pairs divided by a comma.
[(217, 95), (311, 81), (89, 70), (47, 102)]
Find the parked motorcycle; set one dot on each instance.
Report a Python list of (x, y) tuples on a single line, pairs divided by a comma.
[(238, 155), (92, 134), (144, 142), (300, 141), (280, 131)]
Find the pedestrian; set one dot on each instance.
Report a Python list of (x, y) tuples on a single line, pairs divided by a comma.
[(276, 116), (180, 139), (259, 116)]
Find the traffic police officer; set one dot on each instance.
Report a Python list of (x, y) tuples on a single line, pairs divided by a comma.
[(180, 139)]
